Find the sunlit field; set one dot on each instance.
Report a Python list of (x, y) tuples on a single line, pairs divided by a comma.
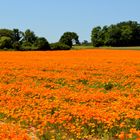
[(70, 95)]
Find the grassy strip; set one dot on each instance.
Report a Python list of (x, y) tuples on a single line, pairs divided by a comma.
[(105, 47)]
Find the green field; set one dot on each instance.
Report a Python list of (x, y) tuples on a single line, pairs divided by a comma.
[(109, 48)]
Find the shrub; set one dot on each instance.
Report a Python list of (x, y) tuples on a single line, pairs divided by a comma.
[(16, 45), (26, 46), (5, 42), (42, 44), (59, 46)]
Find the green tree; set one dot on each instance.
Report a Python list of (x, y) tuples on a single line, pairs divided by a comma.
[(16, 45), (41, 44), (29, 36), (6, 33), (5, 42), (17, 35), (26, 46), (112, 36), (135, 27), (96, 36), (69, 38), (121, 34)]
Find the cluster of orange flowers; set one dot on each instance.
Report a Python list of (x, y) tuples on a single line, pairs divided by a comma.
[(12, 132), (70, 94)]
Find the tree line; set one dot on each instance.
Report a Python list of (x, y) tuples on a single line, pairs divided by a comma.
[(121, 34), (125, 33), (28, 40)]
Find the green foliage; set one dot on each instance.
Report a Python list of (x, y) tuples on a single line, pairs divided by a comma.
[(5, 42), (121, 34), (26, 46), (41, 44), (83, 81), (29, 36), (86, 43), (96, 37), (17, 35), (7, 33), (10, 39), (16, 45), (2, 115), (69, 38), (113, 35), (59, 46), (108, 86)]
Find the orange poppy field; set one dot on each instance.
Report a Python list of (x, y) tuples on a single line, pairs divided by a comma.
[(70, 95)]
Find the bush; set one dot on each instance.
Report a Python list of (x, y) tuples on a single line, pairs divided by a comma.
[(16, 45), (26, 46), (5, 42), (42, 44), (59, 46)]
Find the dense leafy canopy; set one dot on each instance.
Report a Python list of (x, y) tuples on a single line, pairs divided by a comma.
[(28, 40), (59, 46), (42, 44), (125, 33), (121, 34), (5, 42), (69, 38), (7, 33), (17, 35), (29, 36)]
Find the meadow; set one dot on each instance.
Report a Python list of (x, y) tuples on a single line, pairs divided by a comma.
[(77, 47), (70, 95)]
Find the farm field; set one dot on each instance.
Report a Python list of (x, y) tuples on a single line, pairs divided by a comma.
[(65, 95)]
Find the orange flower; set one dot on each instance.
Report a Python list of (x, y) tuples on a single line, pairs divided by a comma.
[(78, 91)]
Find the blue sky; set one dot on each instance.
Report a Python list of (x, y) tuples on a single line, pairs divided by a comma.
[(51, 18)]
